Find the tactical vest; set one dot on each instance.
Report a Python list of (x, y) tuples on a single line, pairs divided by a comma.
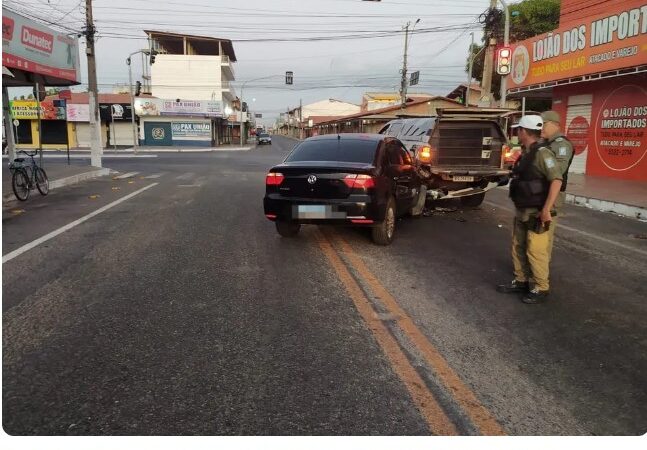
[(570, 161), (527, 189)]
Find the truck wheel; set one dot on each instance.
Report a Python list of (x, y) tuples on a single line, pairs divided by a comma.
[(473, 200), (383, 233), (288, 229)]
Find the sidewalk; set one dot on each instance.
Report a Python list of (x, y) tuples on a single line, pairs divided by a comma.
[(150, 149), (58, 175), (624, 197)]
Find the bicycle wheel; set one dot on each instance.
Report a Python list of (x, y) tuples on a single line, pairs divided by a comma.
[(42, 183), (20, 185)]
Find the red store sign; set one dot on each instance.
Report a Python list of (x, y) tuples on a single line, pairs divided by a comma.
[(621, 128)]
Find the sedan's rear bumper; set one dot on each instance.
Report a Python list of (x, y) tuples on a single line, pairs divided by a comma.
[(354, 210)]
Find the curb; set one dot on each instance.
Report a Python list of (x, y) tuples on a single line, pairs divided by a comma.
[(61, 182), (634, 212)]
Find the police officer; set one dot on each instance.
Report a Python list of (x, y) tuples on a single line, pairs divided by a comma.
[(534, 189), (563, 150)]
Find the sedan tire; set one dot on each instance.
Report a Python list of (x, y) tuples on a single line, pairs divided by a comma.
[(383, 233), (288, 229)]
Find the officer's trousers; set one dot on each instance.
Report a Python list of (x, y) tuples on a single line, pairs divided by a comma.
[(531, 254)]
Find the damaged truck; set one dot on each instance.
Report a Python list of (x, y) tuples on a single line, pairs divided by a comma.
[(458, 154)]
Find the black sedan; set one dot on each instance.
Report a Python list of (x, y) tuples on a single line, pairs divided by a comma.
[(347, 179)]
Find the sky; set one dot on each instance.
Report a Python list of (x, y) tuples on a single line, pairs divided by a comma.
[(336, 48)]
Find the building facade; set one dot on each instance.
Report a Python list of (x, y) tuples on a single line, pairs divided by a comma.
[(373, 121), (594, 68), (191, 82)]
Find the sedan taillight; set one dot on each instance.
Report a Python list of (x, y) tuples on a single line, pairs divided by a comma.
[(274, 179), (359, 181)]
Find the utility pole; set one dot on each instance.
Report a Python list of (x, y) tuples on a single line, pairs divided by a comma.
[(403, 82), (506, 43), (488, 64), (469, 74), (93, 89)]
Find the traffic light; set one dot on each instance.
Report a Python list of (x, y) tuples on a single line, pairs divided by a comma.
[(152, 58), (138, 88), (503, 61)]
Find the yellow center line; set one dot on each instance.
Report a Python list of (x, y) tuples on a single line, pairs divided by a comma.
[(425, 401), (477, 413)]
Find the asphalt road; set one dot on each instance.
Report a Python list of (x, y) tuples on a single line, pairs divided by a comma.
[(181, 311)]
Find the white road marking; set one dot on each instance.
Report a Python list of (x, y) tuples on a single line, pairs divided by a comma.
[(583, 233), (185, 176), (19, 251), (156, 175), (126, 175)]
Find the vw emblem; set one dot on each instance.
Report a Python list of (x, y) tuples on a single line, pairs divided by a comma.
[(312, 179)]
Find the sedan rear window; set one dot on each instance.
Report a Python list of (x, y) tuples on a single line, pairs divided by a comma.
[(342, 150)]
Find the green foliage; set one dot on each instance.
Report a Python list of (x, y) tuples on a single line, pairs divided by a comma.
[(527, 19)]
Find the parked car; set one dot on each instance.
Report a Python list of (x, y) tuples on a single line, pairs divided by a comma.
[(457, 156), (365, 180), (263, 138)]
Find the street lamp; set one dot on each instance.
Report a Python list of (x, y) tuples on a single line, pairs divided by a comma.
[(132, 93)]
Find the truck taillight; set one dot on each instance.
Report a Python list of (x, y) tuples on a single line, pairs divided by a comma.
[(274, 179), (507, 151), (359, 181), (424, 154)]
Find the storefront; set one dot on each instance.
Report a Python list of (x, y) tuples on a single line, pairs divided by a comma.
[(34, 55), (595, 71), (115, 115), (180, 123), (55, 131)]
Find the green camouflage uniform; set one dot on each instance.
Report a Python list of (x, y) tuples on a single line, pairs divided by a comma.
[(531, 252)]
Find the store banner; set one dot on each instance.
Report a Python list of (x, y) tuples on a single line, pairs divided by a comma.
[(27, 110), (30, 46), (109, 112), (78, 113), (620, 131), (194, 131), (162, 107), (614, 40)]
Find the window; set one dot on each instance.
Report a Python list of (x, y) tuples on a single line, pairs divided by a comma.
[(394, 129), (341, 150), (406, 157), (393, 154)]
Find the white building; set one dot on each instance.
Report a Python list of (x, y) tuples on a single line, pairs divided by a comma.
[(190, 68)]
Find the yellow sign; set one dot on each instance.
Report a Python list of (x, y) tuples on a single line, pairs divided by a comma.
[(23, 109)]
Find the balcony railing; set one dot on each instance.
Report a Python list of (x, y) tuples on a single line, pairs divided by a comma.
[(228, 63)]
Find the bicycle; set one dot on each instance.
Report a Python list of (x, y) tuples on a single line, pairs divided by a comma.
[(26, 175)]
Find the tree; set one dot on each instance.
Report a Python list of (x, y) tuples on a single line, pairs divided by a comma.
[(527, 19)]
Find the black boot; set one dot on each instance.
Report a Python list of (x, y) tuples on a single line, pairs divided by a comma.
[(535, 296), (512, 287)]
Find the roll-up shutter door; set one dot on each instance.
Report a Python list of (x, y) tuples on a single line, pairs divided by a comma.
[(579, 105)]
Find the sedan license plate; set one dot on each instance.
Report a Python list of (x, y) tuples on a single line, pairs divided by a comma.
[(317, 212), (462, 179)]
